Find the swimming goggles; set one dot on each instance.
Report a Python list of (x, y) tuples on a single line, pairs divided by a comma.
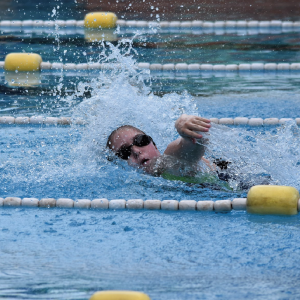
[(140, 140)]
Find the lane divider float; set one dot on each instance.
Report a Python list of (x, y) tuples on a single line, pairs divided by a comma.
[(110, 20), (9, 120), (31, 62), (68, 121), (242, 67), (119, 295), (261, 199)]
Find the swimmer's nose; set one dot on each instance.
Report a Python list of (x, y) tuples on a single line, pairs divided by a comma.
[(138, 153)]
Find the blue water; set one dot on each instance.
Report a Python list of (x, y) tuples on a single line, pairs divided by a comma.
[(69, 254)]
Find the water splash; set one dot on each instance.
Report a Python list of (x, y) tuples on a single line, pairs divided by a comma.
[(123, 96), (258, 156)]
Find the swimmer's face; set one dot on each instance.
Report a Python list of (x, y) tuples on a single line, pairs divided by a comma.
[(139, 156)]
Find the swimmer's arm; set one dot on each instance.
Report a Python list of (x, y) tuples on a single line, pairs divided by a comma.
[(186, 147)]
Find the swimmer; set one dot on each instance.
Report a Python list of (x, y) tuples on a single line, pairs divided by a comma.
[(181, 157)]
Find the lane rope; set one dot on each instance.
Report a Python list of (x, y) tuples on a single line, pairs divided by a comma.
[(261, 199), (115, 204), (184, 67), (10, 120), (25, 24)]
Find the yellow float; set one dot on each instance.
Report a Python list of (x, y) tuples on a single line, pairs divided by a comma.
[(103, 20), (22, 62), (119, 295), (272, 200)]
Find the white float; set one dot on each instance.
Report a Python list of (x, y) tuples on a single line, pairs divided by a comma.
[(12, 201), (205, 205), (244, 67), (241, 24), (46, 66), (187, 205), (82, 66), (197, 23), (169, 205), (295, 66), (7, 120), (239, 203), (143, 24), (222, 205), (152, 204), (71, 23), (57, 66), (226, 121), (51, 121), (255, 121), (64, 121), (130, 23), (270, 67), (155, 67), (219, 68), (232, 67), (240, 121), (271, 121), (64, 203), (47, 202), (30, 202), (207, 24), (80, 23), (214, 120), (27, 23), (206, 67), (82, 203), (135, 204), (143, 65), (181, 67), (264, 24), (257, 66), (194, 67), (36, 120), (230, 24), (22, 120), (69, 66), (175, 24), (164, 24), (283, 67), (168, 67), (252, 23), (16, 23), (285, 120), (186, 24), (117, 204), (100, 203)]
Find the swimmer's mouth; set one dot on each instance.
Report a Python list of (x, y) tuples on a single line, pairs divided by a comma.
[(144, 161)]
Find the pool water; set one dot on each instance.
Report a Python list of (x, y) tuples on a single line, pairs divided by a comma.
[(69, 254)]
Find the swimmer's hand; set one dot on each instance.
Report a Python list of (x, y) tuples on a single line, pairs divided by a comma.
[(190, 126), (186, 148)]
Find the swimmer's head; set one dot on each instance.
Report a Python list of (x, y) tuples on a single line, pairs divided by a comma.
[(132, 144)]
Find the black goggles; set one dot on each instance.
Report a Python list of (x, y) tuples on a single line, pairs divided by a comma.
[(140, 140)]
